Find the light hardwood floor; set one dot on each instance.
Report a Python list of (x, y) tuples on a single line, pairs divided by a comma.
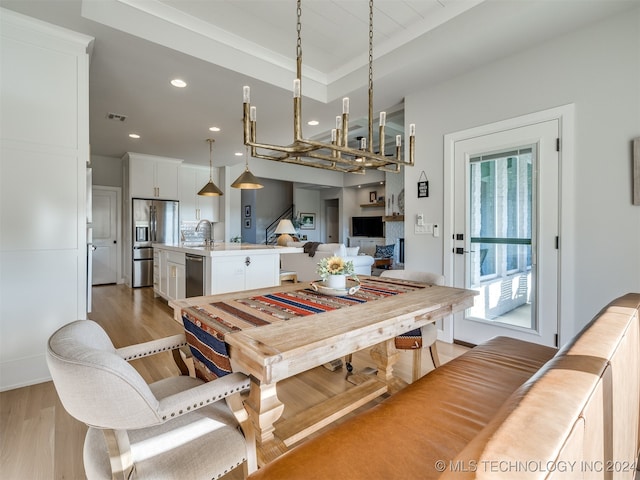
[(39, 440)]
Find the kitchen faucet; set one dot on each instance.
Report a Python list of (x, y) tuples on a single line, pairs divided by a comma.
[(207, 241)]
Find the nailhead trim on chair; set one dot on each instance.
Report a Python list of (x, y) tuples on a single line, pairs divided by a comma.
[(229, 469), (240, 388), (146, 354)]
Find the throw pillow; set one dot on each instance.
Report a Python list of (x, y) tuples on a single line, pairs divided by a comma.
[(352, 251), (341, 251), (384, 251)]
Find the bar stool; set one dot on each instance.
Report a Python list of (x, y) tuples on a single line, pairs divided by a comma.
[(428, 333), (288, 276)]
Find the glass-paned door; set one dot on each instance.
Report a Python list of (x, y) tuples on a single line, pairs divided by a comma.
[(505, 242)]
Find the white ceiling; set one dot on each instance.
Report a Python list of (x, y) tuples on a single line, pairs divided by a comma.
[(217, 46)]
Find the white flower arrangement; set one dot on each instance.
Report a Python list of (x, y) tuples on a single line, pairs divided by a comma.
[(335, 266)]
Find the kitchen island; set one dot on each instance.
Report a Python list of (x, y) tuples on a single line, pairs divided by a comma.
[(223, 268)]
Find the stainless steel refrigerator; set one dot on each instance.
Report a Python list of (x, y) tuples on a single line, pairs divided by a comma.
[(154, 221)]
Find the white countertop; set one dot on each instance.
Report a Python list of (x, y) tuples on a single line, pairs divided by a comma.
[(224, 249)]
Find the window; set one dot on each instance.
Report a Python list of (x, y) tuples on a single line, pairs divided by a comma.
[(501, 213)]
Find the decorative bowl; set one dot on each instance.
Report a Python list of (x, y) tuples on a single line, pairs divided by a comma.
[(352, 287)]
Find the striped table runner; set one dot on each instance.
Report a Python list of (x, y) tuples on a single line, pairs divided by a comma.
[(206, 325)]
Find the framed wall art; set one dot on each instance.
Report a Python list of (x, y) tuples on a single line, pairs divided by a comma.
[(307, 221)]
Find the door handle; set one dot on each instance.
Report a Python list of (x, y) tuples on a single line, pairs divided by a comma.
[(462, 251), (247, 261)]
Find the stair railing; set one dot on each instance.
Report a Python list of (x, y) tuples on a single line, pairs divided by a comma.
[(270, 236)]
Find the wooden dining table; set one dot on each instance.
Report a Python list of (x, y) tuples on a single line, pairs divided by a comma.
[(272, 334)]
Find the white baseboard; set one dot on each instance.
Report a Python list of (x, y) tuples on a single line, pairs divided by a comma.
[(23, 372)]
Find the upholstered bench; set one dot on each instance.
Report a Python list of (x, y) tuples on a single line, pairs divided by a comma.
[(505, 409), (431, 419)]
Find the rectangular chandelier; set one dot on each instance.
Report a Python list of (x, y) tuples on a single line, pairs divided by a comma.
[(336, 155)]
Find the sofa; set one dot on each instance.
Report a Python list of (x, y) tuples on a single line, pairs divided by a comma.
[(305, 266), (505, 409)]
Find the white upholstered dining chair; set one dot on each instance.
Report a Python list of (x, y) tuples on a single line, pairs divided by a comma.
[(178, 427), (429, 332)]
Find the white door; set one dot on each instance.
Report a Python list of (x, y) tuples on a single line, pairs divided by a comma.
[(105, 236), (505, 233), (332, 217)]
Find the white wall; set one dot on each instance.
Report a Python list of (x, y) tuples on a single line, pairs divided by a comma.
[(267, 203), (597, 69), (44, 151), (293, 173), (350, 208), (333, 194), (107, 171), (308, 201)]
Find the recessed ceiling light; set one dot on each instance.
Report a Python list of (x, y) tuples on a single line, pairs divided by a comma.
[(238, 154), (176, 82), (313, 123), (134, 135), (214, 129)]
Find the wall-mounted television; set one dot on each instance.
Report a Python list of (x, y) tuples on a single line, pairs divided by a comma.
[(367, 227)]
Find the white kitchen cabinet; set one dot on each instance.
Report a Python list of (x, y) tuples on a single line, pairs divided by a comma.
[(169, 266), (160, 256), (152, 177), (194, 207), (227, 274), (228, 268), (176, 284), (44, 150), (156, 271), (263, 271), (244, 272)]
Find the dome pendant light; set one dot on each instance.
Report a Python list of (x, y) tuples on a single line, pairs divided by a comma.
[(247, 180), (210, 189)]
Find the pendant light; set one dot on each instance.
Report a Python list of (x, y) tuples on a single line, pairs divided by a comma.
[(210, 189), (247, 180)]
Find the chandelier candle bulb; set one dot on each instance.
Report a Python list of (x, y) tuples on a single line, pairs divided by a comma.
[(246, 94), (383, 119), (398, 140), (334, 134), (345, 105), (363, 143), (296, 88), (345, 129), (412, 130), (252, 114)]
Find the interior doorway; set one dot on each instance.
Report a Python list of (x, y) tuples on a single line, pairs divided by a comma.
[(332, 220), (106, 235)]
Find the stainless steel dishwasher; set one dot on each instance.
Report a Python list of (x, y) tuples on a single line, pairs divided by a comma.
[(195, 275)]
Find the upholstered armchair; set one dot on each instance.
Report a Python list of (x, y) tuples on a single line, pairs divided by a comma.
[(428, 333), (178, 427)]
